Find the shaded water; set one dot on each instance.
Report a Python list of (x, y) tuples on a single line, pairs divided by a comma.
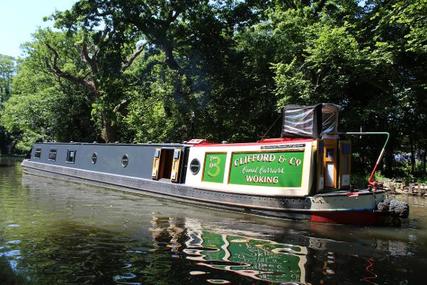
[(54, 232)]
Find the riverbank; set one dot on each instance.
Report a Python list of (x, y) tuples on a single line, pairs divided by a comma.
[(399, 187)]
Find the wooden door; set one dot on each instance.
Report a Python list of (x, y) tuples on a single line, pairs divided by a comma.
[(330, 163)]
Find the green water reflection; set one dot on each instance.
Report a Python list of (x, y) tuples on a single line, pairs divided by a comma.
[(56, 232), (258, 259)]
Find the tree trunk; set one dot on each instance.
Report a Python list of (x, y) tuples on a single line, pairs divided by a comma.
[(425, 161), (388, 163), (109, 130), (411, 143)]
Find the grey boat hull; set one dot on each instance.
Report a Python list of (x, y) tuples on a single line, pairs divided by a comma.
[(279, 207)]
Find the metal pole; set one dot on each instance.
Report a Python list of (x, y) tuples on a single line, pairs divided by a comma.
[(371, 177)]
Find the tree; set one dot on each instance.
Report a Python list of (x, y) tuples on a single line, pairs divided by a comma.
[(7, 70), (353, 55), (152, 70), (43, 107), (196, 40), (102, 49)]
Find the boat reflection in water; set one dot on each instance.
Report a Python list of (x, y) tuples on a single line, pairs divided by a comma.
[(250, 257)]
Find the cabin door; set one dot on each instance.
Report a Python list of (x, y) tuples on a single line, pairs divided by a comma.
[(176, 165), (156, 164), (162, 163), (330, 163), (344, 164)]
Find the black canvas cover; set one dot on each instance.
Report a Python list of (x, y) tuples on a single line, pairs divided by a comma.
[(329, 119), (310, 121)]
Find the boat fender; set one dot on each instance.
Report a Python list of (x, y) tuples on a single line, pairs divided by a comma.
[(399, 208), (383, 206), (394, 207)]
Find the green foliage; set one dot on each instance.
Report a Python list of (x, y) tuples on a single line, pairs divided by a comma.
[(43, 107), (25, 118), (292, 86), (7, 70), (152, 105), (140, 70)]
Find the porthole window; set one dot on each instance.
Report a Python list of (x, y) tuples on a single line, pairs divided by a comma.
[(195, 166), (94, 158), (125, 160)]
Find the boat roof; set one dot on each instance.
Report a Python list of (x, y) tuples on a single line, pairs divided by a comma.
[(117, 144), (191, 143), (260, 142)]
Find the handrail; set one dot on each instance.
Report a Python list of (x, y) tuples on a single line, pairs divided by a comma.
[(371, 181)]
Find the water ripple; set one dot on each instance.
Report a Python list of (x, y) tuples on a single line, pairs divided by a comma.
[(54, 232)]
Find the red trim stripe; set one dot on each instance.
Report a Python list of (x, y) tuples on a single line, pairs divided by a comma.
[(354, 218)]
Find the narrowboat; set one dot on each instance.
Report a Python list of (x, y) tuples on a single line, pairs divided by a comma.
[(305, 174)]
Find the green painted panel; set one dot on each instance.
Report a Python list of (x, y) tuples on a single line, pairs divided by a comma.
[(214, 168), (274, 169)]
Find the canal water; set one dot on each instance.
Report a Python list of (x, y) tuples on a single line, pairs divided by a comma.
[(55, 232)]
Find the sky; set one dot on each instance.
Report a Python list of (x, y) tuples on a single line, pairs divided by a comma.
[(19, 19)]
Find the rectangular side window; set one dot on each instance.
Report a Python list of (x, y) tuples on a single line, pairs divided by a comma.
[(71, 156), (38, 153), (52, 154)]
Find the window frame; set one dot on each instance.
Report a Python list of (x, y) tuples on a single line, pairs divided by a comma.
[(69, 158), (38, 153), (52, 154)]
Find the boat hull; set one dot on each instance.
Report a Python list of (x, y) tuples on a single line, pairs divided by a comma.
[(358, 209)]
